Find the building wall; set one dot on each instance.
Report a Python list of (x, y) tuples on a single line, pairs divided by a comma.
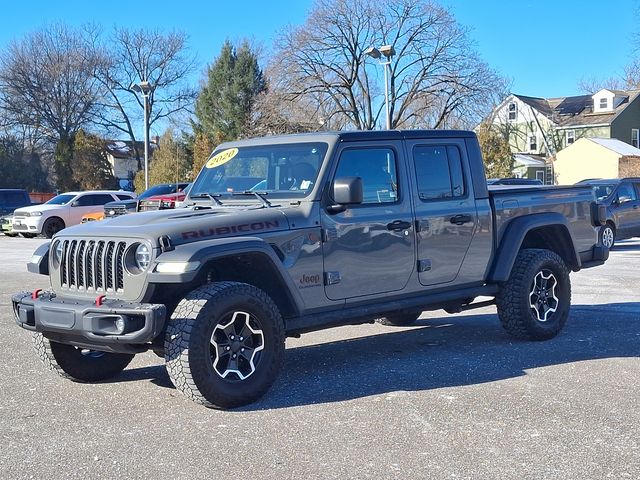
[(582, 132), (628, 119), (585, 159), (525, 125)]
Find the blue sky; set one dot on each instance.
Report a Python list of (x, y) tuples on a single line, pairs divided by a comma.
[(545, 46)]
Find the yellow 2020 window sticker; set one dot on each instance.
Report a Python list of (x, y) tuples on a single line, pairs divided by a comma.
[(222, 157)]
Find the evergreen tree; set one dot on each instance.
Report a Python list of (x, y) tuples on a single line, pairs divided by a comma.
[(498, 159), (233, 81), (19, 168), (91, 169), (170, 164)]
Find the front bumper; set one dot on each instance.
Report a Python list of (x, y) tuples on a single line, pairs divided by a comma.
[(27, 224), (84, 324)]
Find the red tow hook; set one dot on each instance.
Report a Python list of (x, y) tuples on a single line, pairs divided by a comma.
[(99, 300), (35, 294)]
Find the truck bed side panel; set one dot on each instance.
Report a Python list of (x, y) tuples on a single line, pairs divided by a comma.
[(573, 202)]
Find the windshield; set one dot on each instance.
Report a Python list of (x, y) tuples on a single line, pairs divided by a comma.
[(60, 199), (163, 189), (282, 170), (603, 191)]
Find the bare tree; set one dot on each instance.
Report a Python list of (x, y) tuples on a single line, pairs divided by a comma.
[(134, 56), (47, 83), (435, 75)]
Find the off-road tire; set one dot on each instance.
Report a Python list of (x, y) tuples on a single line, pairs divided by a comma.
[(608, 235), (516, 314), (189, 351), (399, 319), (52, 226), (79, 365)]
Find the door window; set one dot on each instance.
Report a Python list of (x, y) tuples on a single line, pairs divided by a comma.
[(438, 172), (377, 168), (94, 199)]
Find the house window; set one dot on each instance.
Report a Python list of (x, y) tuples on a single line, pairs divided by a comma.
[(540, 175), (635, 137), (571, 136), (604, 103), (533, 143), (513, 111)]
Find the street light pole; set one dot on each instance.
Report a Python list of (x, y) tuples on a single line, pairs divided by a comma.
[(388, 51), (145, 89)]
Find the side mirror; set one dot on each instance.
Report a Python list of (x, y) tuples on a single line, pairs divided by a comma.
[(624, 199), (74, 204), (346, 191)]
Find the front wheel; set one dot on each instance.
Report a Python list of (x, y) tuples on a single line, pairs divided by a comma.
[(224, 344), (534, 303), (608, 236), (52, 226), (79, 364)]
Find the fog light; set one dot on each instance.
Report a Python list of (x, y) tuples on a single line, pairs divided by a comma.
[(120, 326)]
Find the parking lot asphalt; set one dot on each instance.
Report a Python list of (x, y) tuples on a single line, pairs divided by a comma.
[(453, 397)]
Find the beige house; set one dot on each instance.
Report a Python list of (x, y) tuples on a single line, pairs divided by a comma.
[(596, 158), (121, 155)]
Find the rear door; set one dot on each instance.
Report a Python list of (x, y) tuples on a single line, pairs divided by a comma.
[(88, 203), (370, 248), (445, 208)]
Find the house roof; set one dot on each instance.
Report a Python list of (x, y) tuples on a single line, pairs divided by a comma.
[(617, 146), (529, 160), (577, 110), (124, 148)]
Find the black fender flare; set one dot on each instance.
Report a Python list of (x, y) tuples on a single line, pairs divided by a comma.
[(514, 235), (208, 250)]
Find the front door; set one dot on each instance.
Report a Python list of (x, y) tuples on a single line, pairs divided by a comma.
[(370, 248), (446, 215), (626, 210)]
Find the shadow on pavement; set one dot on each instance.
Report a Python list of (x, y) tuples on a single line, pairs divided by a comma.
[(436, 353)]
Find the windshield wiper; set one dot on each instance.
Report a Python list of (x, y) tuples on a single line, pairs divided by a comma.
[(211, 196), (258, 195)]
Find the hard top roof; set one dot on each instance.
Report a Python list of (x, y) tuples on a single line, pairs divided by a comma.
[(351, 136)]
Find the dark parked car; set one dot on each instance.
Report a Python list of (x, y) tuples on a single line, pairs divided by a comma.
[(622, 198), (12, 198), (115, 209), (513, 181)]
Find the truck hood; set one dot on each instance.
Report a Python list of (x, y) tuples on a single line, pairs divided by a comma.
[(186, 225)]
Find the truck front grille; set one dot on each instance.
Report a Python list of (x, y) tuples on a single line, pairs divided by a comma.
[(115, 211), (147, 205), (93, 265)]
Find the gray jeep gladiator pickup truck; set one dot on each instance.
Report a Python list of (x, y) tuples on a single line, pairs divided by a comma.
[(337, 228)]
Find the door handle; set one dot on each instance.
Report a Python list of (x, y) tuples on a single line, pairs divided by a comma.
[(398, 225), (460, 219)]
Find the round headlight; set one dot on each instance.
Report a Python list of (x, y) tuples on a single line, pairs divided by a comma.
[(57, 252), (143, 257)]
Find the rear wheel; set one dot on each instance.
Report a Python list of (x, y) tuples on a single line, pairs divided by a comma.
[(224, 344), (79, 364), (52, 226), (534, 303), (608, 235)]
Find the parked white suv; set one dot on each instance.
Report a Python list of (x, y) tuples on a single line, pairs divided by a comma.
[(62, 211)]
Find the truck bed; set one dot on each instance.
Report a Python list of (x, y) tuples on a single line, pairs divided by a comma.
[(572, 202)]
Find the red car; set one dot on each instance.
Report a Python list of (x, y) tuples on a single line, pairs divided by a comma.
[(164, 202)]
